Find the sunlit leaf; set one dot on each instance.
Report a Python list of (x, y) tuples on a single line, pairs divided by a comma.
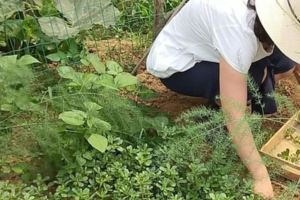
[(125, 79), (98, 142), (106, 80), (75, 117), (92, 106), (113, 68), (66, 72), (98, 123), (55, 57), (27, 60), (95, 61), (80, 15)]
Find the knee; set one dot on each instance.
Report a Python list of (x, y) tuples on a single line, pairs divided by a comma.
[(285, 74)]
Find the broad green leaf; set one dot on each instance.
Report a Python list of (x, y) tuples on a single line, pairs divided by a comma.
[(57, 27), (9, 7), (88, 80), (80, 15), (113, 68), (106, 80), (8, 61), (92, 106), (27, 60), (125, 79), (98, 142), (85, 62), (95, 61), (28, 106), (66, 72), (98, 123), (75, 117), (55, 57), (84, 14)]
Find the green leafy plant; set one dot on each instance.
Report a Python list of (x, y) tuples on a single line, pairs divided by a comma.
[(96, 143), (286, 155), (79, 16), (19, 28), (16, 77), (111, 75), (67, 52), (137, 16), (90, 119), (290, 135)]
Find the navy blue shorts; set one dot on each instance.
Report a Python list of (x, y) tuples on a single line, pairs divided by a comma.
[(202, 80)]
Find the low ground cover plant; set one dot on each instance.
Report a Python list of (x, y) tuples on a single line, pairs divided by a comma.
[(69, 131)]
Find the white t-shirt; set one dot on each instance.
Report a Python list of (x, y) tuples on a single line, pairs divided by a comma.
[(205, 30)]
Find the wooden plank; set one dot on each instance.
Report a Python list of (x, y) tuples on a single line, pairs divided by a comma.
[(278, 144)]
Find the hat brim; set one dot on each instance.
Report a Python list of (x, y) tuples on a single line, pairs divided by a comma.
[(281, 25)]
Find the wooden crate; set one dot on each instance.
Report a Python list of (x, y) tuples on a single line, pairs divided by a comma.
[(278, 143)]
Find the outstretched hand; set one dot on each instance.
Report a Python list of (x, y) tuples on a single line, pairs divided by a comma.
[(264, 188)]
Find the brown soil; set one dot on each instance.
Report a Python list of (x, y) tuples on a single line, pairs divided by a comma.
[(291, 88), (126, 52), (167, 101)]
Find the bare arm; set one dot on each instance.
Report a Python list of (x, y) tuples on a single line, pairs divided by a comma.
[(233, 91)]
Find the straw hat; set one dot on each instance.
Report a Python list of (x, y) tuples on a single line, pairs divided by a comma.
[(281, 19)]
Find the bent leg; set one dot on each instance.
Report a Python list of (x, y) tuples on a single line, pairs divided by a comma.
[(278, 66), (202, 80), (282, 65)]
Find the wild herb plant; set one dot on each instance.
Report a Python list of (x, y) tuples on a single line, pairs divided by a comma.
[(93, 141)]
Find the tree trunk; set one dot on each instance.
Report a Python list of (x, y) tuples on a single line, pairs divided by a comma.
[(159, 16)]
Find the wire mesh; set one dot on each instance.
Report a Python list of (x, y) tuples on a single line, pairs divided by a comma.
[(67, 30), (118, 30)]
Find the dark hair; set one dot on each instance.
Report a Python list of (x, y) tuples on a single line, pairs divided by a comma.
[(259, 30)]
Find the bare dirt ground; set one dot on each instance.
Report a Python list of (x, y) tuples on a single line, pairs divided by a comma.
[(167, 101)]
